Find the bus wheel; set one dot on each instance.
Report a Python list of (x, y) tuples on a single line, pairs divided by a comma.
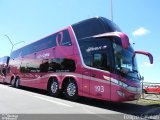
[(71, 90), (17, 83), (53, 87), (12, 82)]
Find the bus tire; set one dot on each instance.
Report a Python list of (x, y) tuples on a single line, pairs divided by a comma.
[(53, 87), (17, 83), (71, 90)]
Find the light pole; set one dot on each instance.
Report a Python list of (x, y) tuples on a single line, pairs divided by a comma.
[(111, 10), (13, 44)]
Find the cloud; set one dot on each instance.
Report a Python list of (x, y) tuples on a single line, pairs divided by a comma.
[(147, 64), (140, 32)]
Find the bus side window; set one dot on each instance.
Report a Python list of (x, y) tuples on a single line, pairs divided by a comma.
[(62, 65), (4, 70), (101, 61), (97, 60), (44, 66), (63, 38)]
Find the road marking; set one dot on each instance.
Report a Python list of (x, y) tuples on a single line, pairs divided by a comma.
[(52, 101)]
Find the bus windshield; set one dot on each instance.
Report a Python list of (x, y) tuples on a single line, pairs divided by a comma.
[(97, 52), (123, 62)]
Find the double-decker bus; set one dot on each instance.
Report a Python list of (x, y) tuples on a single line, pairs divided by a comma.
[(3, 67), (91, 58)]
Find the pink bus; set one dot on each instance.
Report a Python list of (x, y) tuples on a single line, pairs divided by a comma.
[(91, 58), (3, 67)]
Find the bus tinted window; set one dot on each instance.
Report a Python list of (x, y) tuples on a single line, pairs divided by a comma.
[(88, 28), (109, 25), (94, 26), (66, 39), (30, 65), (62, 65), (97, 54), (4, 60), (58, 39), (45, 65), (44, 44), (16, 53)]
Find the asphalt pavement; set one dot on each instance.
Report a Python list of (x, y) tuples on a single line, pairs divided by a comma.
[(35, 104)]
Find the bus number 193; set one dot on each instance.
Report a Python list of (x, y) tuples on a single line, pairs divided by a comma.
[(99, 88)]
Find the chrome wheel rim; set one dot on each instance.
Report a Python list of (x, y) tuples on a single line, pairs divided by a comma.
[(71, 89), (12, 82), (54, 87), (17, 83)]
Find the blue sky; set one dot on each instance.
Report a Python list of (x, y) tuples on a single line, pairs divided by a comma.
[(30, 20)]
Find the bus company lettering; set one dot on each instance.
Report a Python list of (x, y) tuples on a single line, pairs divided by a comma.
[(90, 49), (43, 55), (59, 38)]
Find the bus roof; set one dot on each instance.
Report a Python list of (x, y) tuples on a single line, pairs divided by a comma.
[(85, 28), (94, 26)]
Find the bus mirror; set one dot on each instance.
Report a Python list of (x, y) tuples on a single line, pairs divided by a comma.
[(143, 53), (124, 38)]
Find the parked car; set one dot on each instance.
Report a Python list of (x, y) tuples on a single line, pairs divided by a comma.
[(155, 89)]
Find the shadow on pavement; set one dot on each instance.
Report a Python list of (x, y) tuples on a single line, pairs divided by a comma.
[(126, 107), (131, 108)]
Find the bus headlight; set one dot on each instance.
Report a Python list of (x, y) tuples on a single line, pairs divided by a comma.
[(120, 93), (122, 84)]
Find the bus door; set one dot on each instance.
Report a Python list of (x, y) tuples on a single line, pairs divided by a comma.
[(86, 82), (98, 57), (100, 75)]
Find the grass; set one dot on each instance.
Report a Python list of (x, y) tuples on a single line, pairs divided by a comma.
[(148, 101)]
